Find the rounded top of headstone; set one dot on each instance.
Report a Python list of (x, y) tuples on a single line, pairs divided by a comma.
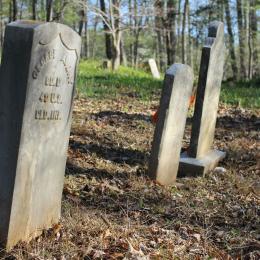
[(179, 68), (47, 32), (25, 23), (214, 28)]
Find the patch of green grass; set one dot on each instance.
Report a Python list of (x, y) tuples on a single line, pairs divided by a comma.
[(244, 93), (94, 81)]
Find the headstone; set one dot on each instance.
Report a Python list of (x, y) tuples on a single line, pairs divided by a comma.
[(154, 69), (169, 130), (107, 64), (37, 82), (200, 157)]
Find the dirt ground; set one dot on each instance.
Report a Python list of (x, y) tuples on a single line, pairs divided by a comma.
[(111, 210)]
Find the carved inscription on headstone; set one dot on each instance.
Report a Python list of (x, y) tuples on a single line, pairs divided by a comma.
[(55, 83), (37, 83)]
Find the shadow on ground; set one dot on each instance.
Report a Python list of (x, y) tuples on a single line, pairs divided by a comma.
[(117, 155), (120, 116)]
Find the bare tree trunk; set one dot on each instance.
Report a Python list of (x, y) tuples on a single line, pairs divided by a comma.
[(190, 42), (93, 52), (247, 37), (106, 30), (196, 52), (86, 36), (245, 10), (135, 49), (136, 35), (179, 23), (60, 17), (138, 24), (42, 13), (241, 40), (93, 38), (34, 4), (250, 73), (20, 9), (231, 40), (10, 12), (14, 10), (130, 23), (116, 51), (186, 6), (170, 32), (158, 28), (83, 24), (117, 33), (253, 26), (1, 24), (123, 58), (49, 10), (82, 15)]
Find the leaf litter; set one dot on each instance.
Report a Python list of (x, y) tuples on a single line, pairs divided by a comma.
[(112, 210)]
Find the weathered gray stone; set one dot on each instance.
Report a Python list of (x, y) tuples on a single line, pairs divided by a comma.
[(107, 64), (154, 69), (37, 82), (169, 129), (206, 107), (210, 77), (192, 167)]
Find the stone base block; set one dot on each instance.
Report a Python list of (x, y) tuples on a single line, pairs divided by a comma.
[(193, 167)]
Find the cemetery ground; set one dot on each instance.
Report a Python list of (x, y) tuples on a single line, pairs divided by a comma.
[(112, 210)]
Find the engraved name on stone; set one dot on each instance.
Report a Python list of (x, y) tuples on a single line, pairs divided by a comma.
[(52, 73), (36, 109)]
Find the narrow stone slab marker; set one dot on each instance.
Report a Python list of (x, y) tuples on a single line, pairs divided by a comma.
[(154, 69), (37, 81), (206, 107), (166, 147)]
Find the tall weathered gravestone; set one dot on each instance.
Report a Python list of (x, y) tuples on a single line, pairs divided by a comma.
[(200, 157), (166, 147), (153, 67), (37, 81)]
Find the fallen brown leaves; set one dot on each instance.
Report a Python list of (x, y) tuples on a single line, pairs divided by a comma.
[(111, 210)]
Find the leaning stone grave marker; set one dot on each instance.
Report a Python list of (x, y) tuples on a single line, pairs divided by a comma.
[(166, 147), (37, 81), (200, 157), (154, 69)]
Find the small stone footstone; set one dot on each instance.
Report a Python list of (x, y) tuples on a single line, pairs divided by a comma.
[(200, 158), (107, 64), (199, 166), (154, 69), (37, 82), (169, 130)]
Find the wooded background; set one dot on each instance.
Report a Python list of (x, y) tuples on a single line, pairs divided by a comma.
[(129, 32)]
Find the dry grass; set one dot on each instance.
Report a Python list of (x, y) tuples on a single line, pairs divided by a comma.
[(111, 210)]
